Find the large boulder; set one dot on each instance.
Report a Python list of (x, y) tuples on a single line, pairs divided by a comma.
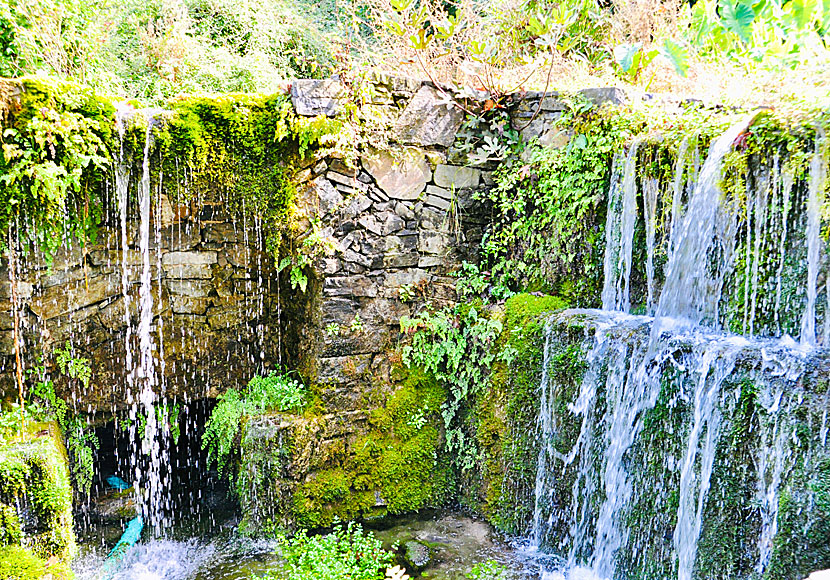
[(312, 97)]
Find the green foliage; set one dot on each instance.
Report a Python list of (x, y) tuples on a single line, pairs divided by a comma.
[(346, 553), (54, 151), (774, 33), (154, 50), (455, 345), (547, 225), (487, 570), (273, 392)]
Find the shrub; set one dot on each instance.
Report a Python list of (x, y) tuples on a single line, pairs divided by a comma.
[(344, 554)]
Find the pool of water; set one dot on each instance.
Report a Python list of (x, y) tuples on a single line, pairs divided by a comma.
[(208, 548)]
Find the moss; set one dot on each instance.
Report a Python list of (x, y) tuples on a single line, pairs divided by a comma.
[(505, 417), (35, 472), (18, 563), (393, 466)]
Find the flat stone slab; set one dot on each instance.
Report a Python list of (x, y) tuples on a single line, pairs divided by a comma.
[(429, 119), (312, 97), (401, 175)]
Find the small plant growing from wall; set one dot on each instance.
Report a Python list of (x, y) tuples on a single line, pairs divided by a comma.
[(272, 392)]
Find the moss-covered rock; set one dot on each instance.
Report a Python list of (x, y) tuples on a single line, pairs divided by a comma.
[(34, 478), (505, 415), (307, 471)]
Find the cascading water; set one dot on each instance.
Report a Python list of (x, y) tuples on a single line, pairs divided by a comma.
[(647, 425), (149, 458)]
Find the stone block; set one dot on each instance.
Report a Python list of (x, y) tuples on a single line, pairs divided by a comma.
[(456, 177), (432, 243), (404, 210), (401, 174), (405, 277), (312, 97), (350, 182), (188, 271), (356, 206), (179, 237), (371, 223), (224, 233), (401, 260), (440, 192), (59, 300), (438, 202), (350, 286), (605, 95), (189, 305), (429, 119), (430, 261), (391, 224), (356, 258), (328, 198), (192, 288), (343, 369), (188, 258)]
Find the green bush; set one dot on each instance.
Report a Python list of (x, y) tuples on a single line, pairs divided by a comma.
[(344, 554)]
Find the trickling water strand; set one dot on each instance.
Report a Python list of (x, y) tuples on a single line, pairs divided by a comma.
[(815, 202), (719, 359), (761, 203), (774, 450), (149, 471), (650, 193), (619, 235), (677, 193), (692, 288), (786, 189), (545, 422), (122, 183)]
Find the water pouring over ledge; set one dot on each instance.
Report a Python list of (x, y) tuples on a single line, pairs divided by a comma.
[(630, 481)]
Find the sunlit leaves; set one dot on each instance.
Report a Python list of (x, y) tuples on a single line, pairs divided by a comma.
[(737, 17), (677, 55)]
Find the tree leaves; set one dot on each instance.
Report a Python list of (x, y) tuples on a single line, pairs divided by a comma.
[(677, 55), (737, 17)]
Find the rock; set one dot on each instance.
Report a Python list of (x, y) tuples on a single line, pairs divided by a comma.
[(405, 277), (371, 223), (357, 205), (327, 195), (819, 575), (432, 243), (402, 175), (219, 234), (429, 120), (439, 191), (193, 288), (312, 97), (350, 286), (403, 210), (456, 177), (438, 202), (605, 95), (189, 258), (393, 223), (416, 556)]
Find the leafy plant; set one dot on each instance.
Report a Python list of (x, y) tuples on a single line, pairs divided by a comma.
[(456, 346), (487, 570), (344, 553), (274, 391)]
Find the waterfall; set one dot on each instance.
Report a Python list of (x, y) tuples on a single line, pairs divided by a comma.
[(815, 202), (677, 386), (150, 456), (693, 287)]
